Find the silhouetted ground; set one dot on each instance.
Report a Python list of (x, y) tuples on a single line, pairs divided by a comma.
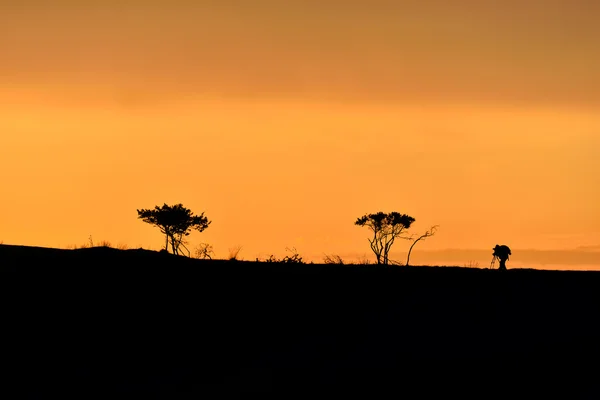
[(104, 322)]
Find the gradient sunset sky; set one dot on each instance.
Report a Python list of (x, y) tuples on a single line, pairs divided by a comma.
[(284, 121)]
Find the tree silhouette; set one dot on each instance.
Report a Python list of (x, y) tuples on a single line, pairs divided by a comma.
[(386, 228), (204, 251), (175, 222), (424, 236)]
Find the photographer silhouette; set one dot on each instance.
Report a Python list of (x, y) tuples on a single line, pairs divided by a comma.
[(501, 252)]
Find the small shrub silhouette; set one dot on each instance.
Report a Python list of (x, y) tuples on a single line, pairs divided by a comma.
[(234, 253), (333, 259), (294, 258), (362, 260), (204, 251)]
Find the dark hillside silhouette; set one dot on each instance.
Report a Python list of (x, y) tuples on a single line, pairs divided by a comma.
[(103, 321)]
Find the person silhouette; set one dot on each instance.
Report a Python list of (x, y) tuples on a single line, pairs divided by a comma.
[(502, 252)]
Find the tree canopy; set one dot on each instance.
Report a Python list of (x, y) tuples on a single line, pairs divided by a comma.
[(386, 228), (175, 222)]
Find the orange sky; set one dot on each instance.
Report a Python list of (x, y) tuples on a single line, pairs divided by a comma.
[(284, 121)]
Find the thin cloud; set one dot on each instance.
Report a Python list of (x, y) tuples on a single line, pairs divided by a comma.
[(521, 257), (589, 248), (394, 52)]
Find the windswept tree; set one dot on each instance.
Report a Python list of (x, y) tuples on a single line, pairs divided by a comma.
[(175, 222), (386, 227), (424, 236)]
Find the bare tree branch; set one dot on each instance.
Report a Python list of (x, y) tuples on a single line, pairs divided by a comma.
[(424, 236)]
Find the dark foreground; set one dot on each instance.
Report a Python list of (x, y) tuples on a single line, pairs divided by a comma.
[(103, 322)]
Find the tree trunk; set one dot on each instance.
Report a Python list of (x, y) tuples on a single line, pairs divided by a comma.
[(410, 250)]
